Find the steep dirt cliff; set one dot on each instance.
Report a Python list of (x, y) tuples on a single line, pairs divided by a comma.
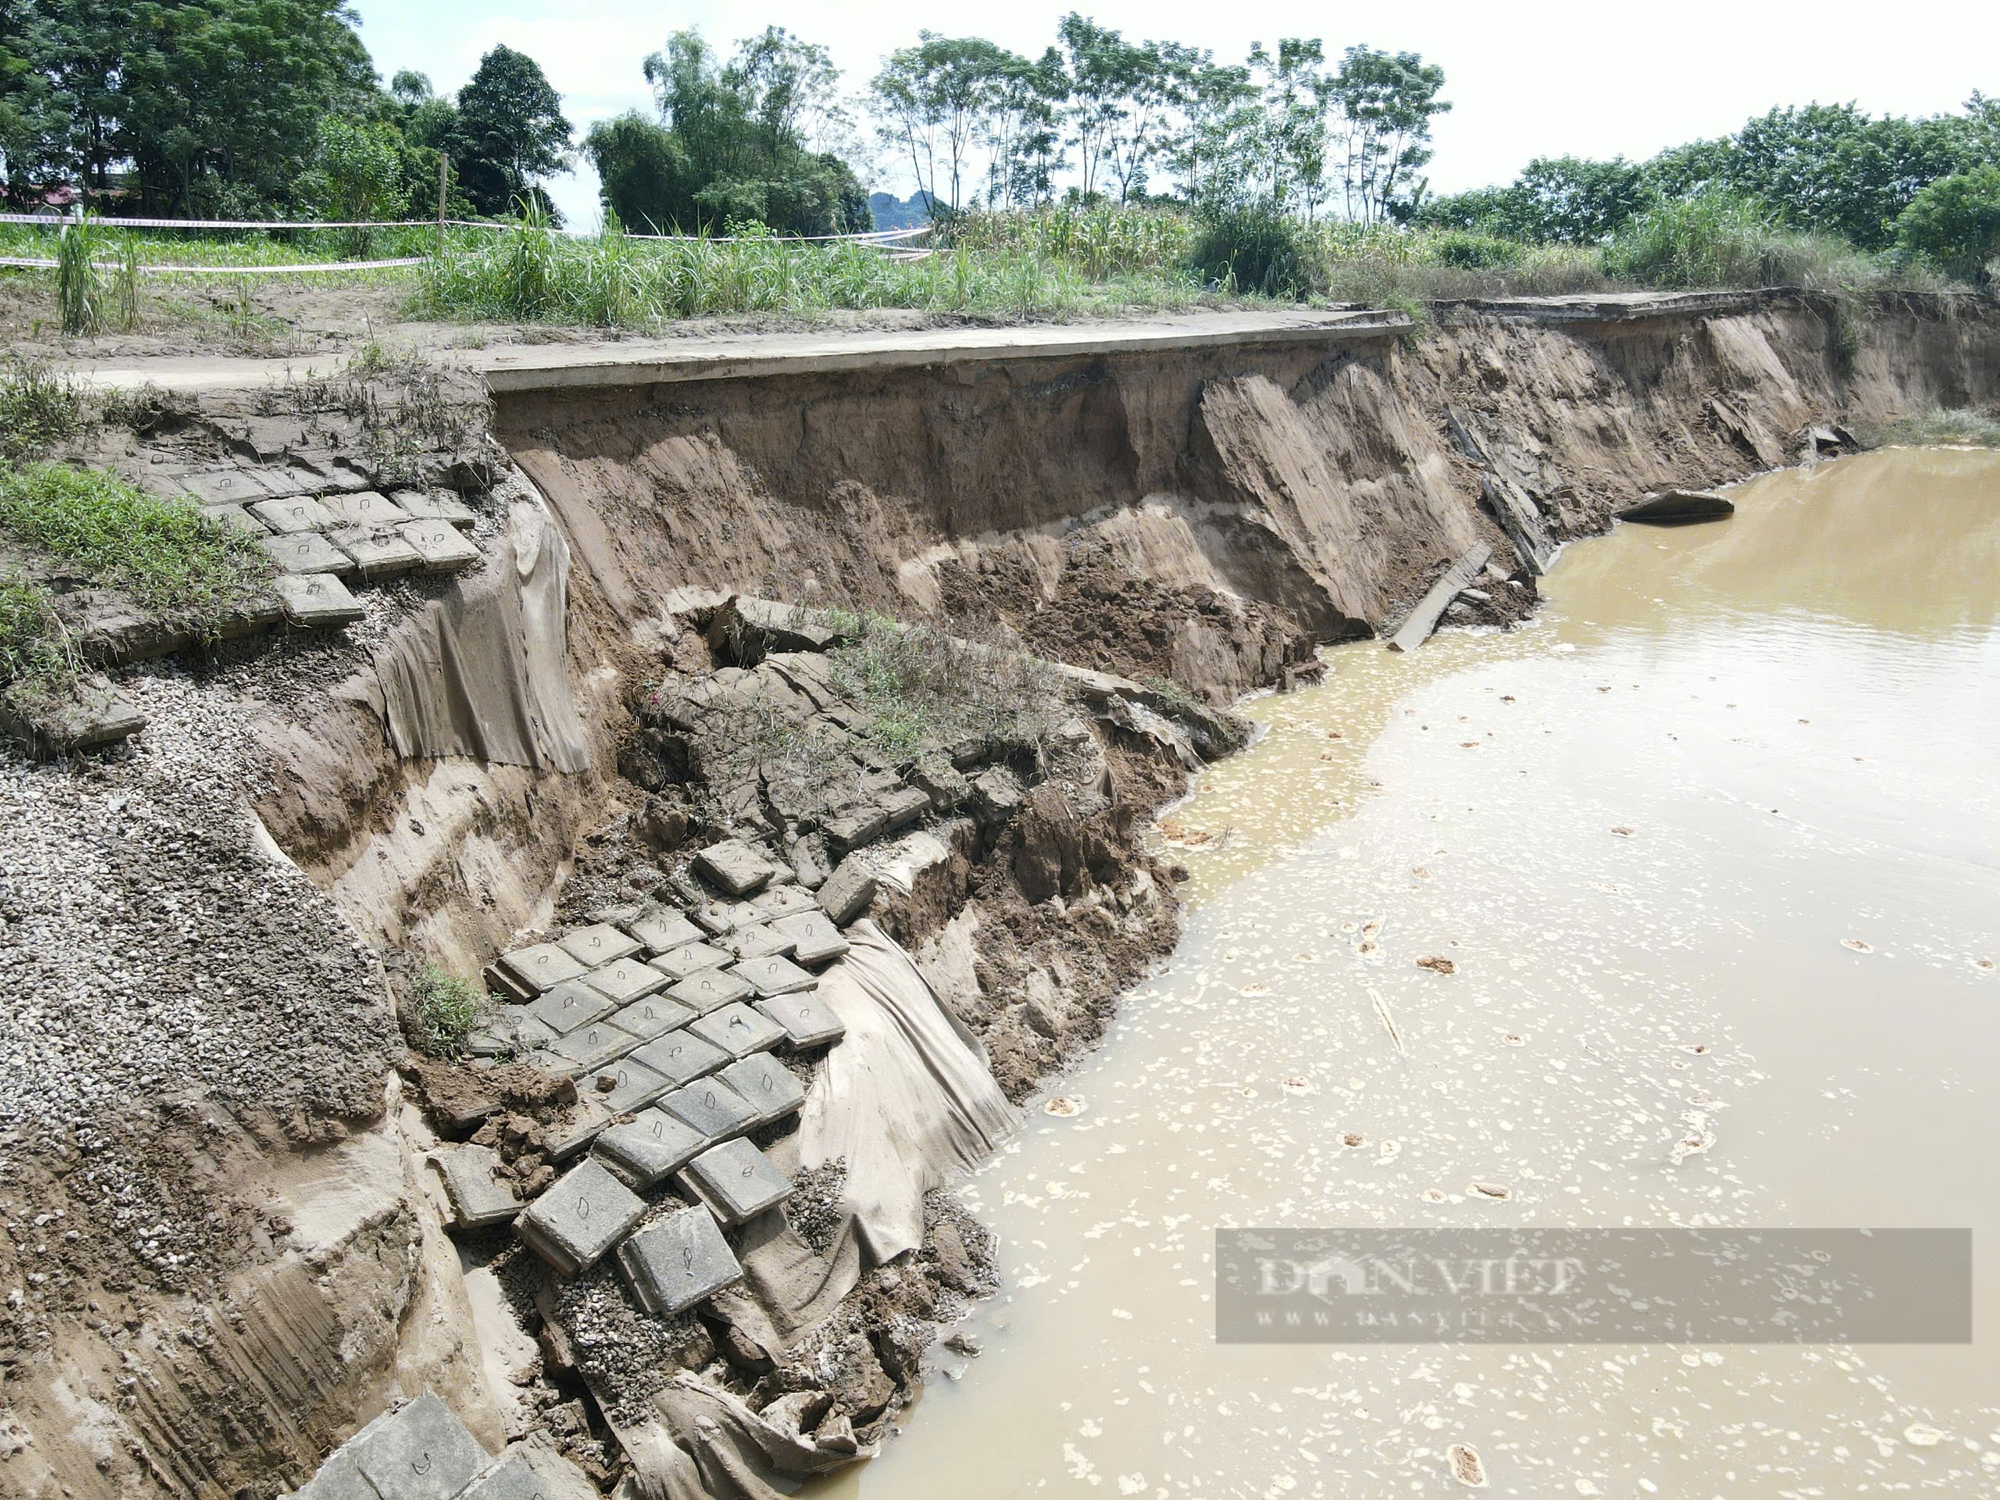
[(1209, 514)]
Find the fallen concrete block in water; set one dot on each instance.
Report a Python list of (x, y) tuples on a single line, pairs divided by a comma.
[(1422, 620), (583, 1215), (676, 1261), (1677, 508)]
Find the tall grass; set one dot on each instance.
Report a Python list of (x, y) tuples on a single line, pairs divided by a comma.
[(39, 408), (614, 280), (80, 292), (1715, 240), (1101, 240)]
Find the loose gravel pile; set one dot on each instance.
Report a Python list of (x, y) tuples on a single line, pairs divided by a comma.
[(161, 967)]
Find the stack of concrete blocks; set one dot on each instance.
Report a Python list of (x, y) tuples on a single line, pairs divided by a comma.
[(325, 528), (669, 1021), (420, 1451)]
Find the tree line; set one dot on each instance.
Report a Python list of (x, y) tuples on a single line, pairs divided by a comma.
[(253, 109), (259, 108)]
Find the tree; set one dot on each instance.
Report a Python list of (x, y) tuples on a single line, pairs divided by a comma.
[(357, 174), (1387, 102), (933, 101), (1955, 223), (733, 142), (1210, 100), (1022, 132), (1291, 135), (510, 131)]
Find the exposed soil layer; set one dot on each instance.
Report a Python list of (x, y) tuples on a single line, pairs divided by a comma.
[(1205, 514)]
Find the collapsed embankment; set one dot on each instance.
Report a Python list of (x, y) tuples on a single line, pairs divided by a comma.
[(1195, 519)]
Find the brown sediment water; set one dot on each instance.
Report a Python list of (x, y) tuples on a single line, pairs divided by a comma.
[(1711, 849)]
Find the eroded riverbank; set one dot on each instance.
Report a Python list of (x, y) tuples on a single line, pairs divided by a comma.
[(1709, 848)]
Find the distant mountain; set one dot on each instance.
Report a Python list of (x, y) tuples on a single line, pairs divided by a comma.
[(892, 212)]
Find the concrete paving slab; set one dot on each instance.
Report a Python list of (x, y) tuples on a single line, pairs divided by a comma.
[(650, 1148), (676, 1261), (767, 1086), (376, 553), (297, 513), (235, 518), (815, 940), (664, 930), (855, 827), (737, 1030), (542, 967), (847, 892), (581, 1216), (422, 1452), (718, 917), (681, 1055), (513, 1030), (365, 508), (591, 1047), (532, 1471), (598, 944), (316, 601), (736, 1181), (735, 866), (633, 1086), (808, 1021), (756, 941), (220, 485), (774, 976), (626, 980), (712, 1107), (903, 807), (689, 958), (435, 505), (655, 1015), (338, 1479), (583, 1124), (307, 552), (442, 547), (570, 1005), (784, 901), (710, 990), (479, 1195)]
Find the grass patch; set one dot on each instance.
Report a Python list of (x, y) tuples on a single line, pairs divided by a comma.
[(925, 691), (34, 646), (165, 554), (441, 1010), (1955, 426), (39, 409)]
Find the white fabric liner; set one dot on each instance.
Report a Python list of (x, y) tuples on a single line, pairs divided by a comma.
[(905, 1097), (484, 671)]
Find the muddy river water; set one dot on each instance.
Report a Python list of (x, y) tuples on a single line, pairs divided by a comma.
[(1713, 848)]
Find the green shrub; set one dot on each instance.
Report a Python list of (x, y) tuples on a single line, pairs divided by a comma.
[(1715, 239), (1251, 250), (38, 409), (1954, 223), (1475, 252), (165, 554), (442, 1011)]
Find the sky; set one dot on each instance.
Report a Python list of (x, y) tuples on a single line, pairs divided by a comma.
[(1526, 79)]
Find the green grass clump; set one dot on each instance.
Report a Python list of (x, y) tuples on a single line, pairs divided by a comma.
[(924, 690), (33, 645), (165, 554), (38, 409), (1716, 240), (443, 1010)]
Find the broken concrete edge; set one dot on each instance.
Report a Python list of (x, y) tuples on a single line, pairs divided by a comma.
[(94, 714), (1421, 621)]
